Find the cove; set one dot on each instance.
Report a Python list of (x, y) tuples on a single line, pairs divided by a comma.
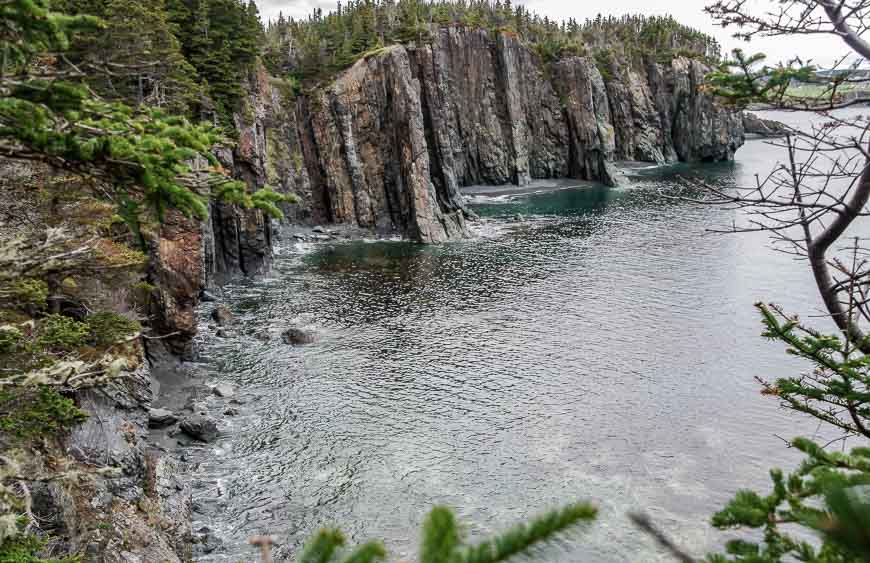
[(587, 343)]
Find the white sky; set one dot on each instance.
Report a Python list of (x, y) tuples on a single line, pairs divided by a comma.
[(823, 50)]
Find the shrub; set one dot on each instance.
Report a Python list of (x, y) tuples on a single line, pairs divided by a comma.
[(58, 334), (109, 328), (31, 412)]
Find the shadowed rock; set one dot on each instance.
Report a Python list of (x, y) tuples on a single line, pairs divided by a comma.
[(200, 427), (298, 337), (222, 316)]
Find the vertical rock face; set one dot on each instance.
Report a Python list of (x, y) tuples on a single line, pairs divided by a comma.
[(374, 162), (390, 142)]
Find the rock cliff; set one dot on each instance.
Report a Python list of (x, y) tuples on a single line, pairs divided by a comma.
[(388, 144)]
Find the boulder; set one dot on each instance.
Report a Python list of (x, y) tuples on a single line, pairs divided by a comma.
[(224, 390), (222, 316), (200, 427), (159, 418), (298, 337), (206, 297)]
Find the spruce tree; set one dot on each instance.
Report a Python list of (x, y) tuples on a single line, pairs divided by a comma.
[(138, 45)]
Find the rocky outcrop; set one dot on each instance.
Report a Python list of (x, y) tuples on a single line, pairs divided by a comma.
[(112, 497), (760, 127), (387, 146), (390, 142)]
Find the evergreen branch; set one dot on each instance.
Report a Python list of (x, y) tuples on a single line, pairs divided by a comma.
[(440, 536), (367, 553), (323, 547), (523, 537)]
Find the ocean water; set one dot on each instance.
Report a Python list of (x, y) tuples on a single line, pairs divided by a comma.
[(588, 343)]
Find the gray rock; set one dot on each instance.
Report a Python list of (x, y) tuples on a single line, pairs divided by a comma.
[(159, 418), (224, 390), (298, 337), (222, 316), (755, 125), (207, 297), (319, 230), (200, 427), (209, 543), (231, 412)]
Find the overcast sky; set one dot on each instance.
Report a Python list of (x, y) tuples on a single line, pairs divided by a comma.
[(822, 49)]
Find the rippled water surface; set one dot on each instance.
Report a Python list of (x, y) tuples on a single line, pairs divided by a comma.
[(589, 343)]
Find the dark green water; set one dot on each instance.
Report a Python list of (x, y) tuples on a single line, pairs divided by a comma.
[(599, 347)]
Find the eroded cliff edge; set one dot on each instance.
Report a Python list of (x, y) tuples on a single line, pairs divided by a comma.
[(388, 144)]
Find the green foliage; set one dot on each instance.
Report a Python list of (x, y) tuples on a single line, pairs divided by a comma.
[(742, 81), (29, 413), (827, 494), (221, 39), (442, 540), (144, 153), (59, 334), (837, 391), (11, 340), (25, 549), (24, 292), (106, 329)]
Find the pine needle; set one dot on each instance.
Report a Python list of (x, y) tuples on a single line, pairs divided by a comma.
[(521, 538), (440, 536), (367, 553), (322, 547)]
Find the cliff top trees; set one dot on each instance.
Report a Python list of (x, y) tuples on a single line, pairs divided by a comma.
[(320, 42)]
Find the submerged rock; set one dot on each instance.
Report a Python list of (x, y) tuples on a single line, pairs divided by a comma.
[(222, 316), (298, 337), (200, 427), (224, 390)]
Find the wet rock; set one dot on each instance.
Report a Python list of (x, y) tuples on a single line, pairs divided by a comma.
[(224, 390), (200, 427), (222, 316), (195, 406), (159, 418), (298, 337), (231, 412), (221, 333), (209, 542), (206, 297), (237, 401), (319, 230), (263, 336)]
